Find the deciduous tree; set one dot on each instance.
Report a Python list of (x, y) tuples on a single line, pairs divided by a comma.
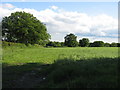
[(84, 42), (70, 40), (23, 27), (98, 44)]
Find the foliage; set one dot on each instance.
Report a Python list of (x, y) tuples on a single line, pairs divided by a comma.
[(18, 45), (70, 40), (91, 45), (84, 42), (22, 27), (98, 44), (106, 44), (12, 44), (113, 44), (53, 44), (101, 44), (118, 44), (62, 44)]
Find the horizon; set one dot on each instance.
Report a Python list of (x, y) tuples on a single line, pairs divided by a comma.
[(97, 21)]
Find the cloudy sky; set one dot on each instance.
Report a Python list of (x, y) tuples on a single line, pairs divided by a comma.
[(93, 20)]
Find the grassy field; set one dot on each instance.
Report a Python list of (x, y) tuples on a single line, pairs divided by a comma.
[(82, 67), (13, 55)]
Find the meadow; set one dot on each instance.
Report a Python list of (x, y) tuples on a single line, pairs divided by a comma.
[(63, 67), (13, 55)]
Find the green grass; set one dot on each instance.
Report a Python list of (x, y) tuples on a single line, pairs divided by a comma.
[(91, 67), (13, 55), (90, 73)]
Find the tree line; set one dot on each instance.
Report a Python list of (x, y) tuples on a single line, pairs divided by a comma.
[(22, 27), (71, 41)]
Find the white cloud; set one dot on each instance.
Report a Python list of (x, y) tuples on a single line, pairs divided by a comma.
[(8, 6), (104, 39), (23, 0), (54, 7), (60, 22)]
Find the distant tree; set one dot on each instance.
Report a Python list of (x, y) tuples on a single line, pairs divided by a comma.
[(62, 44), (53, 44), (84, 42), (118, 44), (98, 44), (57, 44), (24, 28), (91, 45), (107, 44), (113, 44), (70, 40)]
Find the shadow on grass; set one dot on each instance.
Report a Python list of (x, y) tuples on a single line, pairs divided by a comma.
[(21, 76), (91, 73)]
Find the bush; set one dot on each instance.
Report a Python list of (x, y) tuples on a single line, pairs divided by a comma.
[(6, 44), (53, 44)]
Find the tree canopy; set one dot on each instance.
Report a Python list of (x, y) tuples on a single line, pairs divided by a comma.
[(54, 44), (70, 40), (106, 44), (113, 44), (98, 44), (84, 42), (24, 28)]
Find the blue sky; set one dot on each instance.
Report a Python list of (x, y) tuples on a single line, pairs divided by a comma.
[(91, 8), (93, 20)]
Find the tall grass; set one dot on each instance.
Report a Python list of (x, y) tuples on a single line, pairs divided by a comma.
[(13, 55), (90, 73)]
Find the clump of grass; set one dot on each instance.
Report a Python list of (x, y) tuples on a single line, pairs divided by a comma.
[(91, 73)]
